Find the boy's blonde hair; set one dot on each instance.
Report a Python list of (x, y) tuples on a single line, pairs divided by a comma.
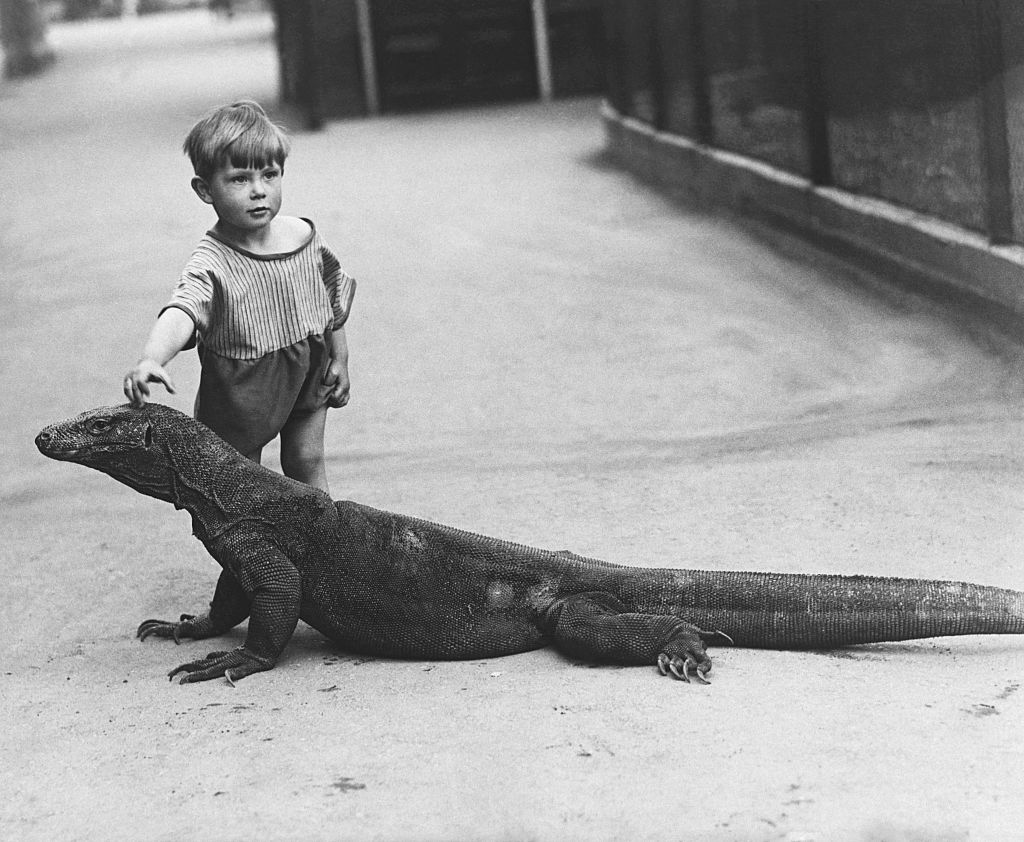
[(239, 134)]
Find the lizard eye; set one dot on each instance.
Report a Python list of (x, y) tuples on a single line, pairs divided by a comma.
[(97, 426)]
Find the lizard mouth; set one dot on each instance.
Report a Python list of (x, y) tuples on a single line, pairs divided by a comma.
[(69, 455), (46, 446)]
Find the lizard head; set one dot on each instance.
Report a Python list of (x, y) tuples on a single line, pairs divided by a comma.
[(129, 444)]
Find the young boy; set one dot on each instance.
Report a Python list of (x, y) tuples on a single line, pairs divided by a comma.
[(264, 299)]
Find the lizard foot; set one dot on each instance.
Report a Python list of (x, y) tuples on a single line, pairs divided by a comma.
[(233, 665), (684, 657), (680, 668), (186, 627)]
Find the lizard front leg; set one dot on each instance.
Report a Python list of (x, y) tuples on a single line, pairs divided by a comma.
[(597, 626), (230, 605), (274, 589)]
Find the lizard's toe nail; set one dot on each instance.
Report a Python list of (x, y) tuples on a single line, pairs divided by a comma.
[(663, 662), (678, 668)]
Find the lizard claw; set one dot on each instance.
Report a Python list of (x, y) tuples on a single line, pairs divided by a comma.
[(663, 661), (185, 627), (233, 665), (720, 633), (712, 636), (677, 666), (159, 628), (683, 655), (681, 668)]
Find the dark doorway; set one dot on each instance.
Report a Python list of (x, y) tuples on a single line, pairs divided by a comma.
[(434, 53)]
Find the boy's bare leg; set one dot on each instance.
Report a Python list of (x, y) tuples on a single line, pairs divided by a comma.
[(255, 455), (302, 448)]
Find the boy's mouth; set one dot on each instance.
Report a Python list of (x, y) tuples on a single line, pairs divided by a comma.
[(257, 211)]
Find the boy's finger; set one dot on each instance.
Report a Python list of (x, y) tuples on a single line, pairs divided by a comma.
[(135, 395), (162, 377), (337, 398)]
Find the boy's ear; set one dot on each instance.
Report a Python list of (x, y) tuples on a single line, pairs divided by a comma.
[(202, 190)]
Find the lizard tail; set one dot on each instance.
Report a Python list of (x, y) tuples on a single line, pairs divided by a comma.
[(800, 611)]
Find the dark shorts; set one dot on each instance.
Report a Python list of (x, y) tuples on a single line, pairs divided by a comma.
[(248, 402)]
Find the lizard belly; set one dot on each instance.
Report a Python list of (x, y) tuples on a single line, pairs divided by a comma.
[(443, 631), (418, 609)]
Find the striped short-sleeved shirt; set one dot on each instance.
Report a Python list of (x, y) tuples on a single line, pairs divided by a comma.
[(247, 305)]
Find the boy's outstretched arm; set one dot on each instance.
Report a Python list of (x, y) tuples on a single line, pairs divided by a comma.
[(337, 372), (172, 331)]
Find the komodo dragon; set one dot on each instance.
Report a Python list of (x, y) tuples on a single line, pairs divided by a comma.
[(392, 585)]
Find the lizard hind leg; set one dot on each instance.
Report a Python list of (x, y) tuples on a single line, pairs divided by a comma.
[(596, 626)]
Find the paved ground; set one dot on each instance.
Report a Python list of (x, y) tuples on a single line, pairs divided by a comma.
[(544, 351)]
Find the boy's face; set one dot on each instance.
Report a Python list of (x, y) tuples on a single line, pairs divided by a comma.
[(246, 199)]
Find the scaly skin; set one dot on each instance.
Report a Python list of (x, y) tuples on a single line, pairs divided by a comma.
[(388, 584)]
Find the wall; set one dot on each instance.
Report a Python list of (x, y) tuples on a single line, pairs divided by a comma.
[(895, 129), (433, 53)]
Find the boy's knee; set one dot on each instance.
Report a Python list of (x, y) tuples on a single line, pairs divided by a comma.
[(302, 450)]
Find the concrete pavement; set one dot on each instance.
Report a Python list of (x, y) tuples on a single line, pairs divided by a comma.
[(542, 350)]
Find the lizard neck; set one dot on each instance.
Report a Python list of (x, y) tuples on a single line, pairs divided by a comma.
[(220, 488)]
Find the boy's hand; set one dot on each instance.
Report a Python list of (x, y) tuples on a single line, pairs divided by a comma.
[(136, 382), (336, 377)]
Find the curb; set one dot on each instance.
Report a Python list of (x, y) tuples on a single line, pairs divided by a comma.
[(915, 251)]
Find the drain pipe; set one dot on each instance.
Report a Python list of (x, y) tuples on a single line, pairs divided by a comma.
[(543, 49), (367, 57)]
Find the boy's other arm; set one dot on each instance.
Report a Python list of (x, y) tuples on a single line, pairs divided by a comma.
[(172, 331), (337, 372)]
